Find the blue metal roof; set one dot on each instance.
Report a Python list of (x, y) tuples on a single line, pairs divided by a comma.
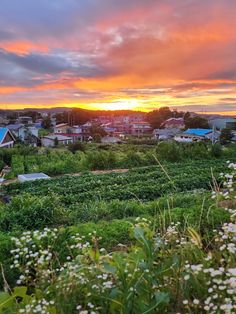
[(199, 132), (3, 132)]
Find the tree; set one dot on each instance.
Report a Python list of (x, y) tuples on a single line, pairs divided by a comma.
[(225, 136), (196, 123), (56, 142), (43, 132), (157, 117), (96, 130), (47, 123)]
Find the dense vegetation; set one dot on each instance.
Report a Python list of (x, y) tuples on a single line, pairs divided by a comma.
[(128, 242), (174, 260), (81, 157)]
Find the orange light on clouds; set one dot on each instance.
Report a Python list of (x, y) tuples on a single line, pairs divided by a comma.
[(22, 47), (137, 55)]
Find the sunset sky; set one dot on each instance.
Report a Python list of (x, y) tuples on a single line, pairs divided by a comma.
[(118, 54)]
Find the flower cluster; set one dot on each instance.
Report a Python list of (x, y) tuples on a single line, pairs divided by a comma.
[(38, 306), (33, 255), (221, 292), (218, 269)]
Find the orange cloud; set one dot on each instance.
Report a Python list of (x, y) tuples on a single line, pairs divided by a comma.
[(11, 89), (22, 47)]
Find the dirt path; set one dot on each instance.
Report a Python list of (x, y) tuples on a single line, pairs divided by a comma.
[(100, 172)]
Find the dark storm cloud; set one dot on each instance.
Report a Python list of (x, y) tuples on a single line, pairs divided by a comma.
[(36, 62), (25, 70)]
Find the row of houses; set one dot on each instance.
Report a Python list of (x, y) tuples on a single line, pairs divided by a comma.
[(190, 135), (117, 129), (64, 134), (173, 129)]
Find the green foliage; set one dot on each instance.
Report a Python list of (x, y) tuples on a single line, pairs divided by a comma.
[(47, 123), (9, 302), (147, 183), (196, 122), (169, 151), (96, 131), (174, 152), (74, 147), (225, 136), (1, 164), (100, 160), (6, 154), (29, 212), (43, 132), (157, 117), (82, 157), (165, 261), (56, 142), (216, 150)]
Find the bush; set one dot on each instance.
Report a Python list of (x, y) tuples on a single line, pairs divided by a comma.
[(74, 147), (216, 150), (31, 212), (100, 160), (168, 151)]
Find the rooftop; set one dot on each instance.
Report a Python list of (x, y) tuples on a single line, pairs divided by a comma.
[(3, 132), (61, 125), (199, 132)]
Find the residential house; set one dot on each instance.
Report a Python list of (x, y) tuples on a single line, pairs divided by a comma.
[(61, 128), (76, 132), (6, 138), (29, 134), (196, 135), (77, 129), (165, 134), (3, 121), (14, 128), (108, 128), (140, 128), (86, 133), (174, 123), (52, 140), (24, 120), (223, 123)]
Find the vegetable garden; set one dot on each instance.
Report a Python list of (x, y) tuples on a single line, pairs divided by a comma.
[(117, 242), (178, 258)]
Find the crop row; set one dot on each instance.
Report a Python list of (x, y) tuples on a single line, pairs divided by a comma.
[(145, 183)]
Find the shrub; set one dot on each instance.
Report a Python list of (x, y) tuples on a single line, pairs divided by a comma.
[(216, 150), (100, 160), (169, 151), (31, 212), (74, 147)]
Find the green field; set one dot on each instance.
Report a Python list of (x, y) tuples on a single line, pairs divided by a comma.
[(177, 224)]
